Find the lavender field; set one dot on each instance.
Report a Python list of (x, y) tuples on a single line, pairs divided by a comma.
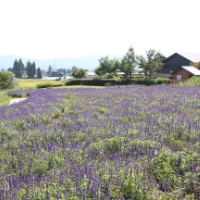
[(127, 142)]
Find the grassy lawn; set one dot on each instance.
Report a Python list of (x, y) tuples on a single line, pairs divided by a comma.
[(4, 98)]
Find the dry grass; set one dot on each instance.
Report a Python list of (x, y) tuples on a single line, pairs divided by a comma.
[(23, 83)]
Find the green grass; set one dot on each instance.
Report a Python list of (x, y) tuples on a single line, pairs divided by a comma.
[(4, 98)]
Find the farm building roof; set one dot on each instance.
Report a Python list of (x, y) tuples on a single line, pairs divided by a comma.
[(193, 57), (192, 70)]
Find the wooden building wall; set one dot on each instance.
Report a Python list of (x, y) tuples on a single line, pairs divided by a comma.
[(174, 63), (184, 74)]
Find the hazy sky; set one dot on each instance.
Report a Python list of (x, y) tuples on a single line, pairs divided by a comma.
[(76, 28)]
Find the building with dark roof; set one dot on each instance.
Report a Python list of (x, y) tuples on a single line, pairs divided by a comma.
[(56, 74), (175, 62)]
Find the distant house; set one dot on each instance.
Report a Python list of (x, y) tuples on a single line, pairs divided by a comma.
[(119, 73), (185, 73), (44, 73), (90, 74), (24, 75), (56, 74), (175, 62)]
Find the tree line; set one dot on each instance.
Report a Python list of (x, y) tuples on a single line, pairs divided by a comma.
[(30, 69), (150, 63), (130, 62)]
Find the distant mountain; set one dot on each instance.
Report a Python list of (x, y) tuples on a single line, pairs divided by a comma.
[(87, 62)]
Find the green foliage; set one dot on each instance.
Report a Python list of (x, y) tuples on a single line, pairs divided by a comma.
[(107, 66), (149, 81), (114, 144), (145, 81), (96, 82), (129, 62), (151, 63), (31, 69), (18, 68), (78, 73), (39, 73), (48, 84), (170, 166), (108, 84), (7, 80), (193, 81), (50, 70)]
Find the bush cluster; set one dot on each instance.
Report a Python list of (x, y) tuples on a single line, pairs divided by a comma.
[(194, 81), (7, 80), (48, 84), (149, 81)]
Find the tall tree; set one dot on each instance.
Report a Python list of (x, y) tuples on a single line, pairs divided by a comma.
[(129, 62), (50, 70), (21, 64), (31, 69), (18, 68), (39, 73), (151, 63), (28, 69)]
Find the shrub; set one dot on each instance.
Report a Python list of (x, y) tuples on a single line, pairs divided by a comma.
[(149, 81), (194, 81), (7, 80), (108, 84), (49, 84), (145, 81)]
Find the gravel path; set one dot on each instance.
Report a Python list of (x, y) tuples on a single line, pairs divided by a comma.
[(13, 101)]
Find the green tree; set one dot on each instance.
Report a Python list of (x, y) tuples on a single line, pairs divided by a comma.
[(78, 73), (21, 64), (7, 80), (50, 70), (129, 62), (10, 69), (39, 73), (18, 68), (28, 69), (106, 65), (31, 69), (151, 63)]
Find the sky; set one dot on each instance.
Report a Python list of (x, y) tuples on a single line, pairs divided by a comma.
[(75, 28)]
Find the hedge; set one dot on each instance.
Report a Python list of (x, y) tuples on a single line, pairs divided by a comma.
[(96, 82)]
